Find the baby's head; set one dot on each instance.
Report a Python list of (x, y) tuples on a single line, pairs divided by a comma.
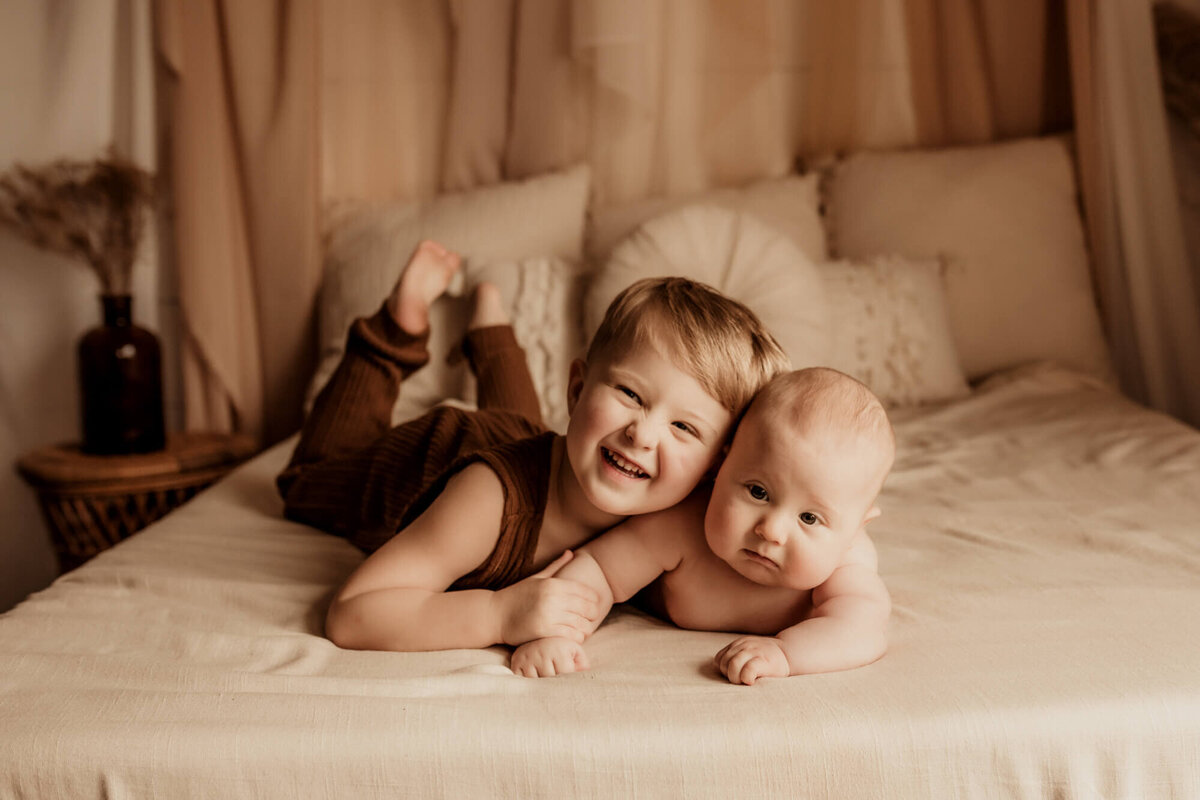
[(672, 365), (801, 477)]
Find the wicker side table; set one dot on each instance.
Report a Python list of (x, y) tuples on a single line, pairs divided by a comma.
[(92, 502)]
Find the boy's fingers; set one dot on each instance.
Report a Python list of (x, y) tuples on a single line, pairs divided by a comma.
[(587, 609), (574, 634), (554, 566), (588, 593), (574, 588)]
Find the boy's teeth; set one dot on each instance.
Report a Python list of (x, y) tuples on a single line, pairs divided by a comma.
[(624, 465)]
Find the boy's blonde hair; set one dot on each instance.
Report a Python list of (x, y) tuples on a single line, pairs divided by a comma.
[(714, 338)]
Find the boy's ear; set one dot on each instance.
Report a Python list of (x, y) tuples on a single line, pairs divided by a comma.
[(575, 383)]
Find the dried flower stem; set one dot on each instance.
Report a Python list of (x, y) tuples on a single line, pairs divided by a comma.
[(91, 210)]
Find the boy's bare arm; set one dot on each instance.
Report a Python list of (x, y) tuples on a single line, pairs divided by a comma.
[(397, 598), (616, 565), (627, 558)]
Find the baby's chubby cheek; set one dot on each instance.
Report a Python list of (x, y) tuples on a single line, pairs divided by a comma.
[(716, 529)]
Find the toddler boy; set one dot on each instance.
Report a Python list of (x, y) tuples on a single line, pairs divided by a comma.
[(480, 501), (777, 547)]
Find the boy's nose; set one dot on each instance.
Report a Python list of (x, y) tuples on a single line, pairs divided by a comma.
[(640, 434)]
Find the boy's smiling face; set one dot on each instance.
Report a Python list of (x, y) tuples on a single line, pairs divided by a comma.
[(642, 432)]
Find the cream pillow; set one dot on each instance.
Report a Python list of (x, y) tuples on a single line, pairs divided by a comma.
[(732, 251), (1005, 217), (503, 224), (890, 329), (790, 204)]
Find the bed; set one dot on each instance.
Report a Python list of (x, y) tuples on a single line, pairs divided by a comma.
[(1039, 537)]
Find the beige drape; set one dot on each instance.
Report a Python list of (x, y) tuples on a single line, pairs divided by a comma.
[(239, 90), (286, 110), (1146, 285)]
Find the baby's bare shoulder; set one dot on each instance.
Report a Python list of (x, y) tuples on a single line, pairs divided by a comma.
[(861, 551)]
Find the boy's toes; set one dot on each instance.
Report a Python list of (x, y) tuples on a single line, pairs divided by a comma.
[(428, 274)]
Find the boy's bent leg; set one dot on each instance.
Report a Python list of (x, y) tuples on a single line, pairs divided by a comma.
[(501, 372), (355, 407)]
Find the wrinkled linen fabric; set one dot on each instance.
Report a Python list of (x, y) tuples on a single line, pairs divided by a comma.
[(1039, 539)]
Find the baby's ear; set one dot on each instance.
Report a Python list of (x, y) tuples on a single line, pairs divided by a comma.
[(575, 383)]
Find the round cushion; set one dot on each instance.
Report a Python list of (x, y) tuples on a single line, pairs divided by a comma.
[(735, 253)]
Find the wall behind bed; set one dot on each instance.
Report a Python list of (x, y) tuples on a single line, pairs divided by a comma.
[(75, 78)]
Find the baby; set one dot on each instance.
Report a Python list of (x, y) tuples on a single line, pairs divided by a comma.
[(464, 513), (776, 548)]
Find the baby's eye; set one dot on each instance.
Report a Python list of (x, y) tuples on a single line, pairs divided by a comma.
[(809, 518), (756, 491), (630, 393)]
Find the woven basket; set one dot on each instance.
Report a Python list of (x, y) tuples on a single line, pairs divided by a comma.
[(87, 522), (93, 502)]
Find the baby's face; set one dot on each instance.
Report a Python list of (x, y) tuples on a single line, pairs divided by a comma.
[(642, 432), (785, 507)]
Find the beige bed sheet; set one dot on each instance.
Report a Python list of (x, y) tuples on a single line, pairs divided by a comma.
[(1041, 540)]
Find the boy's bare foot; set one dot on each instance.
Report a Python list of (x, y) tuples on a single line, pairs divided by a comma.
[(425, 277), (489, 307)]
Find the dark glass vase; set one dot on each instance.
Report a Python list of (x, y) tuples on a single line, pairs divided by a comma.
[(120, 379)]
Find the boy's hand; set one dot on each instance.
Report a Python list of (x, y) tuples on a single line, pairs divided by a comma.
[(545, 658), (542, 606), (748, 658)]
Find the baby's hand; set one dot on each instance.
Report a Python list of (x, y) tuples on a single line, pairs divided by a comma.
[(748, 658), (542, 605), (545, 658)]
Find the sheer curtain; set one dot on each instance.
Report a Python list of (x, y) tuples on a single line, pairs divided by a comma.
[(1146, 285), (303, 107)]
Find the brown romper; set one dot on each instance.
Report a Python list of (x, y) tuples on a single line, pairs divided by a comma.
[(354, 475)]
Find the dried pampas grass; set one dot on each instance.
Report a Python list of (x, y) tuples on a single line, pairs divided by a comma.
[(91, 210)]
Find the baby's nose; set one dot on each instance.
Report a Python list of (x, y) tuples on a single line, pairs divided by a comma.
[(770, 529)]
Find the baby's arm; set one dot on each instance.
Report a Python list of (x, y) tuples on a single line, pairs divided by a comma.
[(397, 598), (615, 565), (846, 628)]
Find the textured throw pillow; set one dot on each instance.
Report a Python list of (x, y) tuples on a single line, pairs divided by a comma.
[(791, 205), (1005, 218), (544, 296), (890, 329), (505, 224), (732, 251)]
